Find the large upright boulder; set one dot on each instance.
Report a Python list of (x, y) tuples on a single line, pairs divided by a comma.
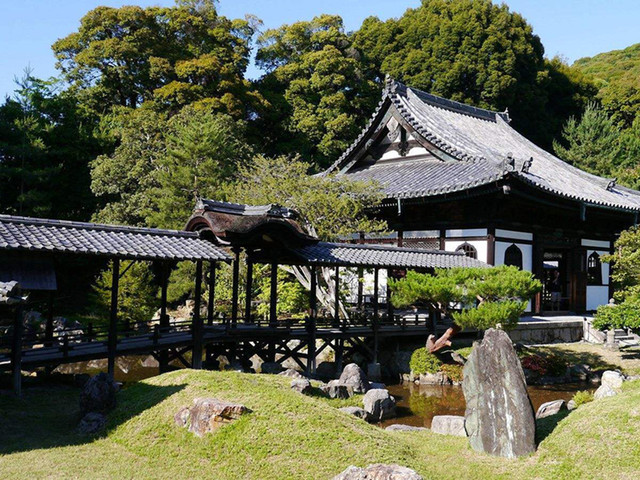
[(98, 394), (499, 418), (354, 376)]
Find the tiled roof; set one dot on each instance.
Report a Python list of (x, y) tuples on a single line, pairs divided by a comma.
[(35, 234), (479, 141), (354, 255)]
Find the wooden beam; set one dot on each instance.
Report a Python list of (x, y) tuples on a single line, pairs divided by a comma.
[(113, 318), (273, 298), (389, 304), (196, 328), (247, 306), (336, 301), (360, 286), (375, 294), (234, 288)]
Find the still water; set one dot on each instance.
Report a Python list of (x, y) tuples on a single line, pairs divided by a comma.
[(418, 404)]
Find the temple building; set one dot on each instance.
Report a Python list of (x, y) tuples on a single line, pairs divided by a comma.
[(460, 178)]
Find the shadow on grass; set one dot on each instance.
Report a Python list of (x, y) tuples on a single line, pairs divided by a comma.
[(47, 416), (595, 360), (544, 426)]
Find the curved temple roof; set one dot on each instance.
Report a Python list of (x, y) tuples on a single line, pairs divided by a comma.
[(36, 234), (480, 148)]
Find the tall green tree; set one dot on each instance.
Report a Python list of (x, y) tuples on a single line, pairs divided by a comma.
[(318, 94), (477, 52), (203, 152), (46, 143), (172, 56), (592, 142)]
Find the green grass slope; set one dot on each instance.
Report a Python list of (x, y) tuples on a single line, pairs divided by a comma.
[(288, 436)]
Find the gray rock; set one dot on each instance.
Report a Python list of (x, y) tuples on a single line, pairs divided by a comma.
[(398, 427), (92, 423), (301, 385), (571, 405), (499, 417), (612, 379), (290, 372), (378, 471), (379, 404), (208, 414), (271, 367), (604, 391), (98, 394), (326, 370), (448, 425), (551, 408), (335, 389), (150, 362), (438, 378), (580, 371), (355, 377), (356, 412)]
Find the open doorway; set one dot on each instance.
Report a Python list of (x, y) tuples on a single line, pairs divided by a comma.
[(556, 288)]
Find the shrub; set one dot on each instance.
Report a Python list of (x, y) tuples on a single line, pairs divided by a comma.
[(582, 397), (623, 315), (454, 372), (548, 365), (424, 362)]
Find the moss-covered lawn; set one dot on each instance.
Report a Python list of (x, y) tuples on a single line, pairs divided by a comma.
[(287, 436)]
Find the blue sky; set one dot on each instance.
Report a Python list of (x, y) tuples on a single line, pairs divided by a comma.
[(571, 28)]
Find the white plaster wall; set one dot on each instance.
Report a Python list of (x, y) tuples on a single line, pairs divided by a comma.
[(466, 232), (480, 246), (595, 243), (513, 234), (596, 296), (527, 254)]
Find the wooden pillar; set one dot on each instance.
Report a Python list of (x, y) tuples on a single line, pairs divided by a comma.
[(375, 294), (336, 301), (360, 286), (389, 304), (48, 332), (164, 318), (113, 318), (311, 324), (491, 246), (247, 306), (16, 352), (212, 293), (273, 298), (196, 327), (234, 288)]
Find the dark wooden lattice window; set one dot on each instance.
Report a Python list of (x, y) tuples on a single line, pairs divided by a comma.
[(468, 249), (594, 269), (513, 256)]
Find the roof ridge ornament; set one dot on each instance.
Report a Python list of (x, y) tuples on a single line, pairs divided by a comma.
[(612, 183), (509, 163), (526, 165)]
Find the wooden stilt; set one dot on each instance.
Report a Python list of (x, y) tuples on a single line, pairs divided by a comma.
[(375, 293), (247, 305), (16, 353), (336, 301), (311, 324), (234, 288), (164, 318), (360, 287), (197, 327), (273, 300), (48, 332), (113, 318), (212, 293), (389, 304)]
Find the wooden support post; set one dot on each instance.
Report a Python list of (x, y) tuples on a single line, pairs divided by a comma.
[(164, 318), (389, 304), (113, 319), (234, 288), (247, 306), (375, 294), (16, 352), (212, 293), (196, 328), (48, 332), (311, 324), (360, 286), (273, 300), (339, 355), (336, 301)]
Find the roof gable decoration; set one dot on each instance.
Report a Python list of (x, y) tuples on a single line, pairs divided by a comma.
[(461, 133)]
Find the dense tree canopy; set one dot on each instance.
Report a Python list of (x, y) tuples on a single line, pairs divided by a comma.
[(169, 56), (318, 93), (476, 52)]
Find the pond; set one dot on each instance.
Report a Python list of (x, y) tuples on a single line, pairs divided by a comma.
[(418, 404)]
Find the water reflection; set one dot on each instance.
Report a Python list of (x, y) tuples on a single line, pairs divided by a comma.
[(418, 404)]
